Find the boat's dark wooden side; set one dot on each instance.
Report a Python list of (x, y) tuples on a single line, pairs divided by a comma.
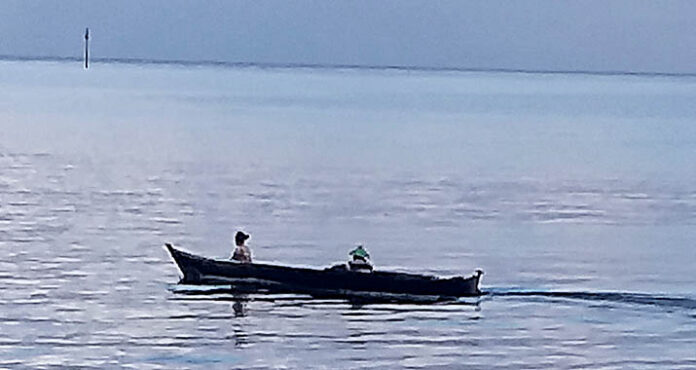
[(200, 270)]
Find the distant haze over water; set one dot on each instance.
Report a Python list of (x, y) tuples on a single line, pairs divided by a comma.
[(593, 35)]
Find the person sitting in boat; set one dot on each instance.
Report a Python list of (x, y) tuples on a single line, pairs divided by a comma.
[(360, 260), (241, 253)]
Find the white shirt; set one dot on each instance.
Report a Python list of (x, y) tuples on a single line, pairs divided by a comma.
[(241, 253)]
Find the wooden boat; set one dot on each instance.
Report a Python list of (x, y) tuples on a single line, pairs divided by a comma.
[(336, 281)]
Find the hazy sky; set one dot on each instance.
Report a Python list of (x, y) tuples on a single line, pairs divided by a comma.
[(625, 35)]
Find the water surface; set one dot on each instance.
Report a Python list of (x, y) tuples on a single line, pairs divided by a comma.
[(575, 194)]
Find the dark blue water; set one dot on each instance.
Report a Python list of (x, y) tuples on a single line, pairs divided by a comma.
[(574, 193)]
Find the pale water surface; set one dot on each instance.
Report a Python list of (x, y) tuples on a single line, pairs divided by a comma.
[(575, 193)]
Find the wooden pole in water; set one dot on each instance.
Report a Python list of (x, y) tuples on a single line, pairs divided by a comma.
[(86, 48)]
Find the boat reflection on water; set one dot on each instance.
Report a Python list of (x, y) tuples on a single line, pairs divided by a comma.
[(242, 297), (240, 308), (248, 319)]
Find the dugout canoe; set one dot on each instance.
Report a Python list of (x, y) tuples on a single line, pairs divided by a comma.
[(332, 281)]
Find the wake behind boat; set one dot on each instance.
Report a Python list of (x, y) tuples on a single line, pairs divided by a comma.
[(333, 281)]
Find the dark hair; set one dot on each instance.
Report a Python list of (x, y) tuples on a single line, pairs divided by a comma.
[(240, 237)]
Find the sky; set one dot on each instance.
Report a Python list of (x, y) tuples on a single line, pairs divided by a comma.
[(588, 35)]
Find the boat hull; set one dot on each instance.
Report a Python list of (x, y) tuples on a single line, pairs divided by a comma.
[(327, 282)]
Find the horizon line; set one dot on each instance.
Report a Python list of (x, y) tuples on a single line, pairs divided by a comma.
[(336, 66)]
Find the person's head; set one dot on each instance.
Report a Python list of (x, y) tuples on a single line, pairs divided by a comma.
[(240, 238)]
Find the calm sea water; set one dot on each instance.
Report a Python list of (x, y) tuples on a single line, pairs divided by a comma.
[(576, 194)]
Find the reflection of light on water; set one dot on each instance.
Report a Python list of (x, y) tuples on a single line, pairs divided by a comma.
[(551, 183)]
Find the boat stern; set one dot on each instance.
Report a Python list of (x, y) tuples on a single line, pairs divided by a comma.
[(477, 276)]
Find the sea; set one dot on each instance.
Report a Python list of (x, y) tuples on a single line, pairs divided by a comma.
[(575, 193)]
